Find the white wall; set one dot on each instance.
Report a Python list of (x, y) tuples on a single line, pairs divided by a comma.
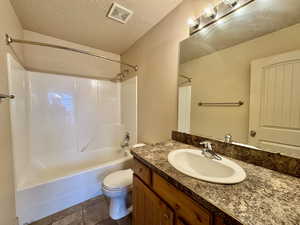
[(129, 107)]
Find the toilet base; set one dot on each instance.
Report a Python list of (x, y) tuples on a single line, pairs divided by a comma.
[(118, 208), (117, 187)]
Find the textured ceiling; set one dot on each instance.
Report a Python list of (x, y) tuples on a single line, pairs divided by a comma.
[(85, 22)]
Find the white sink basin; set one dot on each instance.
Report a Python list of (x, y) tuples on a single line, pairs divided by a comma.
[(193, 163)]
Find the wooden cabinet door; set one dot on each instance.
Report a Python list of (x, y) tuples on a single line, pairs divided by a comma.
[(142, 171), (148, 209), (185, 208)]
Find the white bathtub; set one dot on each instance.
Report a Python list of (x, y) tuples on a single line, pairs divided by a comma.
[(47, 189)]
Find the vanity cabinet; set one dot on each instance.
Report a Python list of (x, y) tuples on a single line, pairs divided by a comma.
[(157, 202), (148, 208)]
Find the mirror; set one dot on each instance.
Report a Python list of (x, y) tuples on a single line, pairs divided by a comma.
[(240, 77)]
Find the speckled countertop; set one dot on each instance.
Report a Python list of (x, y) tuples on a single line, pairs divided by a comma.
[(266, 197)]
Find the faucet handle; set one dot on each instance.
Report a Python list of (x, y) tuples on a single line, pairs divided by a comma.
[(207, 144), (228, 138)]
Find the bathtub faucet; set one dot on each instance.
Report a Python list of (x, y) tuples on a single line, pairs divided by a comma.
[(125, 142)]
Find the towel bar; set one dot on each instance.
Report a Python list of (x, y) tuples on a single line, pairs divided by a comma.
[(240, 103), (3, 96)]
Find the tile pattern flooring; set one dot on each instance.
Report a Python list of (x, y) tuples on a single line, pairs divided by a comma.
[(92, 212)]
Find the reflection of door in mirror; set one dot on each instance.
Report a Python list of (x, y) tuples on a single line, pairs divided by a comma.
[(184, 108), (275, 103)]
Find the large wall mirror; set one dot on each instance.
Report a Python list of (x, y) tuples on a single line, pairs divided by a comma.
[(241, 76)]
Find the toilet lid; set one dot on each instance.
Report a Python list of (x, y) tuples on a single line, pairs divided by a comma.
[(119, 179)]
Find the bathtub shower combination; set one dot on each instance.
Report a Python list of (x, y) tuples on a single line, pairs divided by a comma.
[(66, 137)]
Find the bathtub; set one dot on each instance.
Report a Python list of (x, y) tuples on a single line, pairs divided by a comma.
[(49, 188)]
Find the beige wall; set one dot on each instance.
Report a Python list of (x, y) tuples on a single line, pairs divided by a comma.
[(9, 23), (58, 61), (224, 76), (156, 53)]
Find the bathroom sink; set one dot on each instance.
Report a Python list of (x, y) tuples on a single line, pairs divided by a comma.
[(195, 164)]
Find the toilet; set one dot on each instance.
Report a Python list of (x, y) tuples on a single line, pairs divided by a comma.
[(116, 187)]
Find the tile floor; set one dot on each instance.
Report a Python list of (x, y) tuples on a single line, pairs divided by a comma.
[(92, 212)]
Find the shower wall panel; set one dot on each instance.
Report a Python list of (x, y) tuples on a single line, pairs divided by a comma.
[(129, 107), (57, 118), (18, 85), (52, 118), (69, 116)]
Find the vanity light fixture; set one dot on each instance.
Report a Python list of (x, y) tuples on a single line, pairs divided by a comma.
[(214, 13), (231, 3)]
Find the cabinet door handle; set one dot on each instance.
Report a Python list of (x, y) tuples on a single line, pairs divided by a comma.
[(166, 216), (140, 170)]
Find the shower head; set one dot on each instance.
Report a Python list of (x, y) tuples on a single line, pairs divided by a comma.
[(120, 76)]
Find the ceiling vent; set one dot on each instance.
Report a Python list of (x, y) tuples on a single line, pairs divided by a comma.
[(119, 13)]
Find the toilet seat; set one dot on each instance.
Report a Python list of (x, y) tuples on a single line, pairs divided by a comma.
[(119, 180)]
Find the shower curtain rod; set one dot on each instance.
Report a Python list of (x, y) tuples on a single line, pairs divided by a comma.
[(10, 40)]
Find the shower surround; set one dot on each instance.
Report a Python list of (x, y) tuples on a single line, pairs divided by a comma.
[(66, 137)]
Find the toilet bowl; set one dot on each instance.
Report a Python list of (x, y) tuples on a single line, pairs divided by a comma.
[(116, 187)]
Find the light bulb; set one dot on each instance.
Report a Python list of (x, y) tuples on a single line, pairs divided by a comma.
[(191, 22), (232, 3), (210, 12)]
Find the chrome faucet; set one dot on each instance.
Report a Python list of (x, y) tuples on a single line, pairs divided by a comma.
[(125, 142), (208, 151)]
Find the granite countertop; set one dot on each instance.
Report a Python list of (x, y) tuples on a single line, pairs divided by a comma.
[(266, 197)]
